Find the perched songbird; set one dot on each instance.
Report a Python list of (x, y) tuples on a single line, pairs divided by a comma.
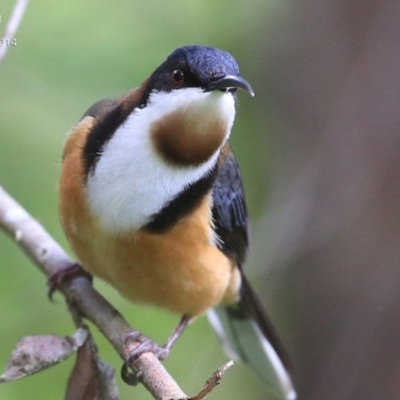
[(151, 201)]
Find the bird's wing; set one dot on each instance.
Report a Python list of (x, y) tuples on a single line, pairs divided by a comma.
[(100, 109), (229, 209), (244, 328)]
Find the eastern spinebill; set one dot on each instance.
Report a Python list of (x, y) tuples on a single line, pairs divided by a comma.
[(152, 202)]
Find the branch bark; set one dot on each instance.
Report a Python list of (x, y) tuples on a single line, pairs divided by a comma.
[(50, 258)]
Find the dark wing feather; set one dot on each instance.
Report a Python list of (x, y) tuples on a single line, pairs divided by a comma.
[(231, 225), (100, 109), (229, 209)]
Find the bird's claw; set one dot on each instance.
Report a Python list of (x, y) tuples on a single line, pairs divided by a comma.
[(64, 275), (144, 345)]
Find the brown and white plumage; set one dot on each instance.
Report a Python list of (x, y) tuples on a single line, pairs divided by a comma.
[(151, 200)]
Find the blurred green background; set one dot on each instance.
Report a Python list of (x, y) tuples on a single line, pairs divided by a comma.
[(69, 55)]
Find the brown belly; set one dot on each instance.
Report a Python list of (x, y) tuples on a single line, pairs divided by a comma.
[(181, 270)]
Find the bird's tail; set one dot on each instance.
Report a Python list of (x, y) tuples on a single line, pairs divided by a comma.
[(247, 334)]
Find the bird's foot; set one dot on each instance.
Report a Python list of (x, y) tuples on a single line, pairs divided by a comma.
[(64, 275), (146, 345), (143, 345)]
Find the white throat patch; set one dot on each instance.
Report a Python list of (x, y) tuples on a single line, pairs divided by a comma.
[(131, 182)]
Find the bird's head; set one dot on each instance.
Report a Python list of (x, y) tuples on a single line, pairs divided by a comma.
[(202, 67), (152, 143), (191, 100)]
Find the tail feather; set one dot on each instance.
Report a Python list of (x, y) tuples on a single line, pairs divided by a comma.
[(247, 334), (253, 307)]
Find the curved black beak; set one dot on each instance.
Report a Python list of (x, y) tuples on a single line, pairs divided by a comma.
[(228, 82)]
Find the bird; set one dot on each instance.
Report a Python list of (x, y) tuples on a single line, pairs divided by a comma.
[(151, 201)]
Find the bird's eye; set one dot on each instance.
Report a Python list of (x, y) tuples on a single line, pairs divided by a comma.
[(178, 77)]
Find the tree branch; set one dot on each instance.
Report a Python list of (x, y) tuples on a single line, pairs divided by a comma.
[(51, 258), (12, 26)]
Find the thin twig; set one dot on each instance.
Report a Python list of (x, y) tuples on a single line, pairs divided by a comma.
[(51, 258), (12, 26), (212, 382)]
